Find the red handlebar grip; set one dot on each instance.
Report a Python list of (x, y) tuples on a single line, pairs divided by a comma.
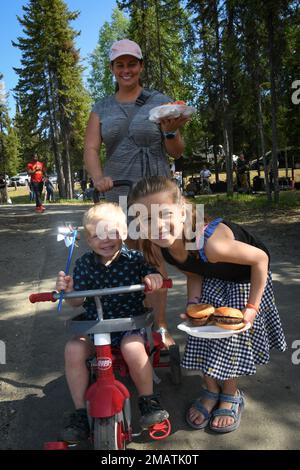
[(167, 284), (42, 297)]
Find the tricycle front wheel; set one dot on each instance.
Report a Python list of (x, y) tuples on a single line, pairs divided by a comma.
[(109, 433)]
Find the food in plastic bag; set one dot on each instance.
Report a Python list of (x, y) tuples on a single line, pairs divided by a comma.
[(170, 110)]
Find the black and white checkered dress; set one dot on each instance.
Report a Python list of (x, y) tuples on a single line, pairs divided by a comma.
[(237, 355)]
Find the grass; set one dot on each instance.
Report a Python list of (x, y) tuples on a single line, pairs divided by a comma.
[(21, 196), (240, 207), (243, 207)]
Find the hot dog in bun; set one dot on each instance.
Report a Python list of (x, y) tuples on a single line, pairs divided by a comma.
[(228, 318), (199, 314)]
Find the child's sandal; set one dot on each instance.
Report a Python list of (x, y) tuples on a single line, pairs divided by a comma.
[(238, 404), (202, 409)]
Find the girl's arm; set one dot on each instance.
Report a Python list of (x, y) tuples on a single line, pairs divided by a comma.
[(194, 287), (92, 145), (221, 247)]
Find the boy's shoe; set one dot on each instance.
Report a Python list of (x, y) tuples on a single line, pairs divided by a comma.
[(77, 428), (151, 411), (39, 209), (43, 207)]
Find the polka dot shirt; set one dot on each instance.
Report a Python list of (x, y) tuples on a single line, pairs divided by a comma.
[(127, 269)]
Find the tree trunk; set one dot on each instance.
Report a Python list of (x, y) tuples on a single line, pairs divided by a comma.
[(65, 130), (262, 145), (270, 26), (54, 133), (216, 164), (226, 127), (159, 47)]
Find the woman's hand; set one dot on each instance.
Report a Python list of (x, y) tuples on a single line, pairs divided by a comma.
[(249, 315), (172, 125), (153, 281), (103, 183), (64, 282)]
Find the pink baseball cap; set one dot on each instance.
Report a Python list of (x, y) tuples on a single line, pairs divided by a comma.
[(125, 47)]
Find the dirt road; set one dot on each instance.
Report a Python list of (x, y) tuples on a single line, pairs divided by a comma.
[(33, 392)]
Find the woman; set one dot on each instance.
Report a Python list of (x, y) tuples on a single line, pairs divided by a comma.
[(135, 146)]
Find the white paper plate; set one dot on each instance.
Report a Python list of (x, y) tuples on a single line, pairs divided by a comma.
[(170, 111), (210, 331)]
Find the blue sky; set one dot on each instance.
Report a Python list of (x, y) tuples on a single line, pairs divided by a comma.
[(93, 14)]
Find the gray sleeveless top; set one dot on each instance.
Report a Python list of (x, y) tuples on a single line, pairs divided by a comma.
[(141, 151)]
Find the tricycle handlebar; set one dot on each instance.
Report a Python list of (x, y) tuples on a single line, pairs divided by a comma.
[(54, 296), (116, 184)]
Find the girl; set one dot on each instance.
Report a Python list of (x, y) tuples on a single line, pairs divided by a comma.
[(230, 269)]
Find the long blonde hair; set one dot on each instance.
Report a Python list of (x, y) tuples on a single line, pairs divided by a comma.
[(148, 187)]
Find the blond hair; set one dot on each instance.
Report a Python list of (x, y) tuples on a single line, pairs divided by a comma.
[(104, 211), (155, 185)]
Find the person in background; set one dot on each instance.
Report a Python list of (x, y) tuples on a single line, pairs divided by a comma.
[(205, 174), (36, 170), (241, 170), (49, 189)]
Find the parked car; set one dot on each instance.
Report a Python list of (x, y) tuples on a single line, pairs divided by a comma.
[(15, 180), (24, 178), (21, 179)]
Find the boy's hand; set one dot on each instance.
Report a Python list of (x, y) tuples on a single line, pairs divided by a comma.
[(64, 282), (153, 281)]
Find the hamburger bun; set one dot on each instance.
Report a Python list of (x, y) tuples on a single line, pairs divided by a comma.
[(228, 312), (200, 310), (199, 314), (229, 318)]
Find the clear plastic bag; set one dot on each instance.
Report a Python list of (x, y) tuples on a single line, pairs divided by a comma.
[(170, 111)]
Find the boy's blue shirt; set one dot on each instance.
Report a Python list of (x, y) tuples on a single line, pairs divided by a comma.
[(127, 269)]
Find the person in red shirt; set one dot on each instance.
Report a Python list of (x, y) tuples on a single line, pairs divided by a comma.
[(36, 170)]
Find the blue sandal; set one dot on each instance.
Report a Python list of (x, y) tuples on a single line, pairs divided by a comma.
[(238, 404), (200, 407)]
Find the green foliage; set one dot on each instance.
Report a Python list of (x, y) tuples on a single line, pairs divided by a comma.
[(9, 142), (163, 31), (100, 80), (53, 104)]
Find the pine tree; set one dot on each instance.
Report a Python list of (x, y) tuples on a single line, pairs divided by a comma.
[(52, 99), (9, 143), (4, 126)]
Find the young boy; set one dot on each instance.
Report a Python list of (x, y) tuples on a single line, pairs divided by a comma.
[(109, 264)]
